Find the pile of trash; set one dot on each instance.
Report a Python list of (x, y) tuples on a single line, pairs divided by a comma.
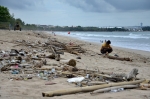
[(35, 56), (34, 61)]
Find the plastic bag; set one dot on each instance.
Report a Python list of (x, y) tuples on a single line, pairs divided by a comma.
[(76, 79)]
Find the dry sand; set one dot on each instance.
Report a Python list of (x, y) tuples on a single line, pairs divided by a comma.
[(32, 89)]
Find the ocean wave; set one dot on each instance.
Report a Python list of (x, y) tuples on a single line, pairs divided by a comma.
[(106, 35), (132, 34), (132, 37), (114, 36)]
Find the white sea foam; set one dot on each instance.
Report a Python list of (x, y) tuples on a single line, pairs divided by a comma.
[(131, 35)]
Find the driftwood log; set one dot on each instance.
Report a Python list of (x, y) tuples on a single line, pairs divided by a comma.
[(132, 74), (118, 58), (86, 89), (93, 83), (57, 56), (113, 88), (122, 76), (145, 86), (71, 50)]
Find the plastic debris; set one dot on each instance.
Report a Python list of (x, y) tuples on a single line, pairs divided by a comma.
[(117, 90), (76, 79)]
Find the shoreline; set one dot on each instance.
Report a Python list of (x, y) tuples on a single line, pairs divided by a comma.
[(138, 56), (94, 31), (136, 51), (133, 46)]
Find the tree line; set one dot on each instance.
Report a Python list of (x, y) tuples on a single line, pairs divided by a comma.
[(8, 21), (146, 28), (79, 28)]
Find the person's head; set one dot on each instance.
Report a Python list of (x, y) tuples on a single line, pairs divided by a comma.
[(108, 42)]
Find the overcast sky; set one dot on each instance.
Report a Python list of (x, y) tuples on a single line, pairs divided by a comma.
[(81, 12)]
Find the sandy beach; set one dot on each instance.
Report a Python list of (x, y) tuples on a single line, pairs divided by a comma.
[(92, 59)]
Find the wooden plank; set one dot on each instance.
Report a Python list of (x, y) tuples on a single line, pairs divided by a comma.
[(86, 89)]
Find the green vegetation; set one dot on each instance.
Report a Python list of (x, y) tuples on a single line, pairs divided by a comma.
[(147, 28), (79, 28), (7, 21), (4, 18), (4, 14)]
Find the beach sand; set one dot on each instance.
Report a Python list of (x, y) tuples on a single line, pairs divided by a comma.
[(32, 89)]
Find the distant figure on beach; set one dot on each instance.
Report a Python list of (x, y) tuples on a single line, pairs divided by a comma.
[(106, 48), (101, 41)]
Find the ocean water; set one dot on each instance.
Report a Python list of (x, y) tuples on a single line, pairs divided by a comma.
[(131, 40)]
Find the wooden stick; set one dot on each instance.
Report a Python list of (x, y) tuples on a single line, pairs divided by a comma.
[(49, 68), (86, 89), (118, 58), (146, 85), (95, 71), (94, 83), (50, 83), (57, 56), (113, 88)]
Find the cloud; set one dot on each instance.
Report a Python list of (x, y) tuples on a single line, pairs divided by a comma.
[(91, 5), (130, 5), (85, 5), (21, 4), (110, 5)]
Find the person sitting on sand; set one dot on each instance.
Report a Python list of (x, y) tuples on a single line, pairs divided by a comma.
[(106, 48)]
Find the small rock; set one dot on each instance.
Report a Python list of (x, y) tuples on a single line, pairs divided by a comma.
[(78, 57), (116, 55)]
